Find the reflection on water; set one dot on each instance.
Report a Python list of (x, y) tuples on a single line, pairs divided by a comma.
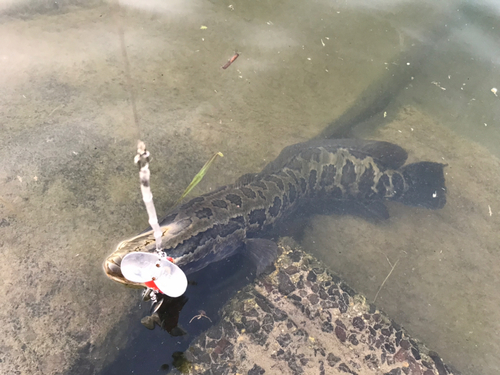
[(69, 189)]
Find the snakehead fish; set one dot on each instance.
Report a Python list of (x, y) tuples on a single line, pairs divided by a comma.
[(342, 175)]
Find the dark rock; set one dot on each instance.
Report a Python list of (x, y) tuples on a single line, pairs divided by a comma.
[(438, 362), (256, 370), (295, 297), (308, 312), (300, 283), (372, 361), (323, 294), (291, 270), (394, 371), (285, 285), (386, 331), (239, 326), (413, 343), (253, 313), (340, 323), (296, 369), (221, 370), (268, 323), (405, 344), (321, 368), (415, 353), (204, 358), (311, 276), (343, 367), (314, 288), (333, 291), (342, 307), (340, 333), (327, 327), (399, 335), (429, 372), (321, 351), (400, 356), (329, 304), (300, 332), (228, 329), (290, 324), (279, 315), (390, 348), (345, 296), (284, 340), (335, 278), (313, 298), (265, 305), (353, 340), (252, 326), (215, 332), (377, 326), (210, 344), (372, 331), (295, 256), (358, 323), (227, 353), (221, 346), (260, 338), (332, 359)]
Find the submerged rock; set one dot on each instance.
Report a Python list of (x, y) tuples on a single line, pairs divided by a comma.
[(280, 332)]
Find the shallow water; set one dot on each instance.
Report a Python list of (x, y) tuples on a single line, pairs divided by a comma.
[(69, 191)]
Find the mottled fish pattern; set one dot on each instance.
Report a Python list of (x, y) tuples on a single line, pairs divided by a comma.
[(213, 226)]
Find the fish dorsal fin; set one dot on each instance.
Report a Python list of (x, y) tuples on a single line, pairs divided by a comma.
[(386, 154)]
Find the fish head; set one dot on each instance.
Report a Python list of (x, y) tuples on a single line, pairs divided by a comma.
[(172, 234)]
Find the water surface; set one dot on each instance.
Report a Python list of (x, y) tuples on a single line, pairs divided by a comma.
[(69, 190)]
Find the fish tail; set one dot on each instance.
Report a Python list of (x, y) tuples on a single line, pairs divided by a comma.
[(425, 185)]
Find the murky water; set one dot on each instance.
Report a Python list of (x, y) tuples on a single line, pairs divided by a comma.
[(69, 190)]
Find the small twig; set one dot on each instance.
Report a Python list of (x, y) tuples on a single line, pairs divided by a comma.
[(230, 61), (386, 278), (202, 314), (55, 109)]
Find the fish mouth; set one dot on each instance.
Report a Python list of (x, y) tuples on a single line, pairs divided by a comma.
[(113, 270), (112, 265)]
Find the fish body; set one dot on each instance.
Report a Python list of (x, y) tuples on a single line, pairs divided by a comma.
[(317, 176)]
